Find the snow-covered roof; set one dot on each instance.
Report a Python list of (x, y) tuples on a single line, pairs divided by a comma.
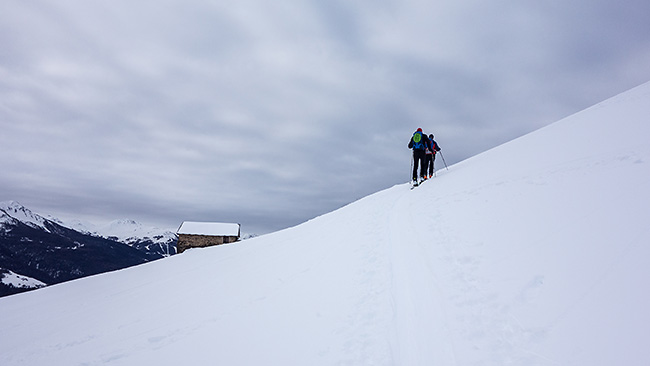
[(208, 228)]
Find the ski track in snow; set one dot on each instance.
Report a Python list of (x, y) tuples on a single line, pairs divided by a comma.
[(439, 282)]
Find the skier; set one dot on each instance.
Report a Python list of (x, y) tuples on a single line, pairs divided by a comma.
[(431, 149), (418, 143)]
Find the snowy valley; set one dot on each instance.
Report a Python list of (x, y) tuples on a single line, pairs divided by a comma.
[(532, 253)]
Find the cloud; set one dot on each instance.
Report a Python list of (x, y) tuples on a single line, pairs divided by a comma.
[(269, 114)]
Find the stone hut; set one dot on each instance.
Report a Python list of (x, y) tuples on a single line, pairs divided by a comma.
[(205, 234)]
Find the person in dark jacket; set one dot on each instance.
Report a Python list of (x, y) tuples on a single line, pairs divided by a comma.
[(418, 143), (431, 150)]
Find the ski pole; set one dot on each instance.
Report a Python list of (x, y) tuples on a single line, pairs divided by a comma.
[(443, 159)]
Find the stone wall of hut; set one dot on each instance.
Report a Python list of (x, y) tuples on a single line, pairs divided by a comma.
[(186, 241)]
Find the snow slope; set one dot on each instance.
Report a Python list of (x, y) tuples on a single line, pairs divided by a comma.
[(13, 279), (532, 253)]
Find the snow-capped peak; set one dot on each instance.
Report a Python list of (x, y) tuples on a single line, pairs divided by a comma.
[(81, 226), (125, 229), (19, 212)]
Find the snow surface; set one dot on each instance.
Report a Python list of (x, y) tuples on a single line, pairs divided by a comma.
[(19, 281), (209, 228), (532, 253)]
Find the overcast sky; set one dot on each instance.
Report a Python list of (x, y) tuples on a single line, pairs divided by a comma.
[(272, 113)]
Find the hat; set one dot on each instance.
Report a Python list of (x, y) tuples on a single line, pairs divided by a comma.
[(431, 136), (419, 130)]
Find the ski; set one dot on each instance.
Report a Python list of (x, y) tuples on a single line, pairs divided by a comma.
[(417, 184)]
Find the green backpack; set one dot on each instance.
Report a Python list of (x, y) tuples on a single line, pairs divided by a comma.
[(417, 141)]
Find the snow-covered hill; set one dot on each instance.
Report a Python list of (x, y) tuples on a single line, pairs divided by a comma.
[(20, 281), (11, 283), (532, 253)]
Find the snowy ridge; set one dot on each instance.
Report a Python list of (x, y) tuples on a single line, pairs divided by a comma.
[(81, 226), (130, 232), (532, 253), (124, 230), (15, 210)]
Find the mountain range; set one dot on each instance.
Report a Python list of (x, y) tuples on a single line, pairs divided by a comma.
[(36, 251)]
